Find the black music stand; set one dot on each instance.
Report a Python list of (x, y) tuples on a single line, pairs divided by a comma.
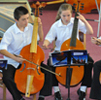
[(68, 79), (3, 64), (68, 58)]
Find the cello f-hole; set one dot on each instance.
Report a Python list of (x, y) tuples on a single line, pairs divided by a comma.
[(23, 68)]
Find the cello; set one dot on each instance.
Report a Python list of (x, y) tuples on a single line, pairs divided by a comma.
[(72, 44), (29, 78), (89, 5)]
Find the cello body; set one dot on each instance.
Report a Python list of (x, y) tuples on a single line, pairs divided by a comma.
[(78, 72), (30, 69)]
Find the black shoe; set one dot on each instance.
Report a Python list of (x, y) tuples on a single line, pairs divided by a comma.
[(58, 96), (81, 94), (41, 98)]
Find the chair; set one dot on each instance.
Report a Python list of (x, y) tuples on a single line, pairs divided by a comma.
[(82, 38), (100, 78), (2, 85)]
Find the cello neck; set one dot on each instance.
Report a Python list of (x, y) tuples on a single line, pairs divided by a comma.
[(75, 29), (74, 33), (33, 47)]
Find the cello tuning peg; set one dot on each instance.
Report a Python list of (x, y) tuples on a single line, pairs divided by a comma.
[(82, 9), (32, 9), (40, 9), (82, 3), (82, 6), (32, 13), (74, 4), (73, 8)]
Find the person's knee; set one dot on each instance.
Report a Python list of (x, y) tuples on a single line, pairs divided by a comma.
[(97, 65), (6, 79)]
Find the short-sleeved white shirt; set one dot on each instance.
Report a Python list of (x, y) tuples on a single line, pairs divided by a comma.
[(14, 40), (63, 32)]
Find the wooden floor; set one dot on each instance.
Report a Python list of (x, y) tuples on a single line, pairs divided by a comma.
[(48, 18)]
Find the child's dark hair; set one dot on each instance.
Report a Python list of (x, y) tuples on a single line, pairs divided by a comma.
[(19, 11)]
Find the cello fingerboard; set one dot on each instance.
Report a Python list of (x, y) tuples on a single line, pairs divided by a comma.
[(74, 33)]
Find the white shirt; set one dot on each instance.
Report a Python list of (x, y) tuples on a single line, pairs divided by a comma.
[(63, 32), (14, 40), (99, 38)]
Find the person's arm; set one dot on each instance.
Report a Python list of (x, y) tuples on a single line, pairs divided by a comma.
[(50, 37), (7, 54), (88, 26), (40, 30), (46, 44), (96, 41)]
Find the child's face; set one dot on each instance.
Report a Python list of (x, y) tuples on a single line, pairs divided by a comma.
[(66, 16), (23, 21)]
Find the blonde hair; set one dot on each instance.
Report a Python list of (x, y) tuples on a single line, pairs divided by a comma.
[(64, 6)]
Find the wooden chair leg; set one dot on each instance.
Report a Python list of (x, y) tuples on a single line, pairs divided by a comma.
[(100, 78), (34, 97), (4, 92), (2, 85)]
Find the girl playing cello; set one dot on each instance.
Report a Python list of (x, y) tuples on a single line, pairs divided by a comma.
[(62, 30)]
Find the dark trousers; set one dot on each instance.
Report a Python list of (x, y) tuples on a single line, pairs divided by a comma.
[(8, 79), (96, 86), (50, 80), (47, 88), (86, 81)]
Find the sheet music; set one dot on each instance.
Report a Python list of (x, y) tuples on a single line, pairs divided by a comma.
[(3, 63), (69, 57)]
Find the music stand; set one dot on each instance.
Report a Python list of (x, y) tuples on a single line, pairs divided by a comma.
[(68, 58), (3, 64)]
